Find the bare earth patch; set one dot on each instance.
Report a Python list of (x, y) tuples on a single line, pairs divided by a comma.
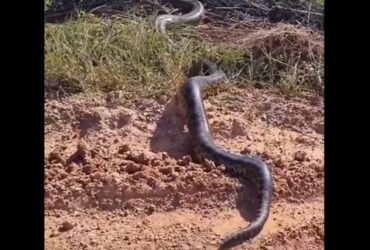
[(119, 178)]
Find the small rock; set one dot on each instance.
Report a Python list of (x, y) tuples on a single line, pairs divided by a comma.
[(300, 156), (123, 120), (300, 139), (56, 156), (209, 165), (290, 182), (162, 100), (53, 234), (66, 226), (279, 163), (87, 169), (171, 187), (123, 148), (174, 175), (150, 209), (177, 168), (155, 162), (221, 168), (72, 166), (166, 170), (94, 152), (139, 175), (164, 156), (81, 154), (128, 205), (83, 245), (96, 175), (319, 168), (185, 160), (132, 168), (237, 128), (246, 151), (92, 242), (113, 178), (142, 158)]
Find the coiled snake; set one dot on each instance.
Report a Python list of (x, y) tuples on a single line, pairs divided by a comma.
[(190, 100)]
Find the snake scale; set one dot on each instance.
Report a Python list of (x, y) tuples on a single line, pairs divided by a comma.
[(190, 99)]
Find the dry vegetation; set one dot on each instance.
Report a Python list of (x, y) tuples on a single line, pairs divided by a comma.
[(126, 53)]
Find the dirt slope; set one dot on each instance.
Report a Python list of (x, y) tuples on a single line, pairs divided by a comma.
[(118, 178)]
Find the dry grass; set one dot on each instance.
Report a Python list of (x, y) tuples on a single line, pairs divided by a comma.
[(127, 54), (286, 56), (123, 53)]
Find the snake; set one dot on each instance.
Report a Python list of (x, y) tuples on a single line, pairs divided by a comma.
[(194, 17), (190, 101)]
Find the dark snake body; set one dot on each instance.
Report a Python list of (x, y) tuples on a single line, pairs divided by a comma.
[(190, 101)]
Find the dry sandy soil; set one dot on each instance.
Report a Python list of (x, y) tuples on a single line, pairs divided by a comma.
[(119, 178)]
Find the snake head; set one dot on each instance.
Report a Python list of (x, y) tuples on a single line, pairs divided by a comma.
[(195, 69), (210, 66), (202, 65)]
